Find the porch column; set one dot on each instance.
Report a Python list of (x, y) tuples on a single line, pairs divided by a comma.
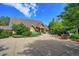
[(40, 29)]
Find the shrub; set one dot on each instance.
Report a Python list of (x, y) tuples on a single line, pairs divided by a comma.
[(17, 36), (26, 33), (20, 29), (35, 34), (75, 37), (4, 34), (10, 33), (1, 30), (74, 30), (56, 32)]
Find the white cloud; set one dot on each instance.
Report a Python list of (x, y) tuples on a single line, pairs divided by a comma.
[(28, 9)]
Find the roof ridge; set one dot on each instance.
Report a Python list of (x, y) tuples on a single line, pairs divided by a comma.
[(28, 19)]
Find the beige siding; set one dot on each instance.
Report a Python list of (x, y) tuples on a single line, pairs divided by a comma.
[(32, 29), (13, 32)]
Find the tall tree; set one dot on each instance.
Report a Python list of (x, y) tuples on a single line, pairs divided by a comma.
[(70, 15), (55, 24), (4, 20)]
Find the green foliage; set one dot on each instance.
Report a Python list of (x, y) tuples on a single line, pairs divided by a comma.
[(56, 32), (35, 34), (55, 26), (70, 16), (1, 30), (4, 33), (27, 33), (75, 37), (4, 20), (17, 36), (20, 28), (74, 31)]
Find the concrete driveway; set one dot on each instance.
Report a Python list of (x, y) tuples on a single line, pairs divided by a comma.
[(44, 45)]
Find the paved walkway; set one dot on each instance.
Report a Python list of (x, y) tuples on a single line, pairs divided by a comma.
[(44, 45)]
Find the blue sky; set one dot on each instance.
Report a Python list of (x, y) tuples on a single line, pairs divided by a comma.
[(40, 11)]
